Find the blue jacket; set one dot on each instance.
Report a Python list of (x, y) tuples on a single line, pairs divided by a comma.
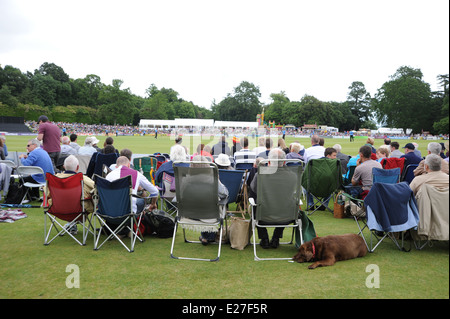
[(390, 203), (39, 157)]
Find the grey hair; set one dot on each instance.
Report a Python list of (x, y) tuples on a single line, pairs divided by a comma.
[(337, 147), (71, 163), (434, 148), (177, 153), (279, 154), (434, 162), (295, 147), (35, 141)]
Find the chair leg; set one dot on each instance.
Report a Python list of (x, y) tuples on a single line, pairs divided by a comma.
[(189, 241)]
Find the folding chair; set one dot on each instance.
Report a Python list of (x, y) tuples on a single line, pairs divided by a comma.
[(23, 171), (113, 209), (167, 194), (198, 203), (67, 204), (390, 208), (98, 160), (393, 162), (233, 180), (321, 179), (408, 173), (278, 199), (433, 205), (390, 176), (147, 166), (9, 163)]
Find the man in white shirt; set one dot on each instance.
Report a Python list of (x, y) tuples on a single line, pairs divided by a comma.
[(139, 182), (315, 151)]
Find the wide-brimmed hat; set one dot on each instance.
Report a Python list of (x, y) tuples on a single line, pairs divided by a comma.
[(223, 160)]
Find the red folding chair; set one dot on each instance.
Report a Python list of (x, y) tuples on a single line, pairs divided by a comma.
[(67, 204)]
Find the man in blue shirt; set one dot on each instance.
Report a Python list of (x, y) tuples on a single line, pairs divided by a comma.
[(410, 157), (36, 157)]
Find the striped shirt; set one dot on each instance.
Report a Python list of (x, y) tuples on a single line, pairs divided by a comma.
[(244, 156)]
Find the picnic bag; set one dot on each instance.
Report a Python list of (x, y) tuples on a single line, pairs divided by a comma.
[(239, 232)]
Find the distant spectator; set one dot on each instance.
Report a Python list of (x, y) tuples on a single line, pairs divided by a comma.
[(344, 158), (269, 145), (73, 141), (409, 156), (433, 148), (109, 142), (382, 152), (395, 150), (66, 149), (88, 148)]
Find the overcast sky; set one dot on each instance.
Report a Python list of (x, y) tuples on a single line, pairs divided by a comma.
[(203, 49)]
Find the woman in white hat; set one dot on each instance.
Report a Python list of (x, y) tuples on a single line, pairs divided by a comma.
[(223, 161)]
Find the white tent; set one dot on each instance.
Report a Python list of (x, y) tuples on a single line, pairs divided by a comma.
[(145, 124), (219, 124)]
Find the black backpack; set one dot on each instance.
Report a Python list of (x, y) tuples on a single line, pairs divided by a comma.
[(15, 192), (161, 223)]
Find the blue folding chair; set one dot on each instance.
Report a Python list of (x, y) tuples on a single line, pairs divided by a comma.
[(391, 208), (98, 160), (113, 208), (389, 176), (233, 180)]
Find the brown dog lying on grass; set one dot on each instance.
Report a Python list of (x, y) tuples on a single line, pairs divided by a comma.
[(325, 251)]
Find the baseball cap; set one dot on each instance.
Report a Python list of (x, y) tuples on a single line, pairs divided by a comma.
[(410, 146)]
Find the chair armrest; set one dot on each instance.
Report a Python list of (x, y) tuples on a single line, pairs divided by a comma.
[(251, 200)]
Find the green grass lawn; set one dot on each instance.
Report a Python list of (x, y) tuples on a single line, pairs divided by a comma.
[(33, 271)]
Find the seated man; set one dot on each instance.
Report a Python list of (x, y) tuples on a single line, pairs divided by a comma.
[(294, 151), (36, 156), (410, 156), (363, 172), (66, 149), (140, 182), (433, 148), (276, 153), (434, 175)]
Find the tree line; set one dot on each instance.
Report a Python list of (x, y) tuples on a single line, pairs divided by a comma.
[(405, 101)]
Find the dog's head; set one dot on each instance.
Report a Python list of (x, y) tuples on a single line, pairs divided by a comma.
[(305, 253)]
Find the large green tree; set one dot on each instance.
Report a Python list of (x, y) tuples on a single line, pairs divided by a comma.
[(242, 105), (358, 100), (405, 101)]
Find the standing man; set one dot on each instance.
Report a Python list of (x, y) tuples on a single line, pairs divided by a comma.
[(50, 136)]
